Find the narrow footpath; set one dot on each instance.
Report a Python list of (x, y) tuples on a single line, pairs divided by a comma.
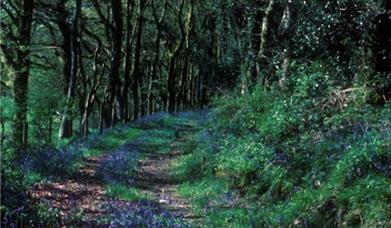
[(82, 198)]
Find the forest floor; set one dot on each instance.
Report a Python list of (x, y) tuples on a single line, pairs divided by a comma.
[(82, 199), (153, 177), (82, 195)]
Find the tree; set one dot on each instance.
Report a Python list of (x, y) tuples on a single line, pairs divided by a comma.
[(108, 114), (173, 54), (262, 57), (124, 104), (65, 130), (16, 51), (137, 56), (156, 64), (285, 34)]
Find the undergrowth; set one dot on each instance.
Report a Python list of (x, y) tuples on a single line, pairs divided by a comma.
[(314, 154)]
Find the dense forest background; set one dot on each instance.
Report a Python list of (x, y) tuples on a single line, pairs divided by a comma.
[(299, 95)]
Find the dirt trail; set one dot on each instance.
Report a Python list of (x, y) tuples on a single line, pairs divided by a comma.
[(81, 195), (153, 177)]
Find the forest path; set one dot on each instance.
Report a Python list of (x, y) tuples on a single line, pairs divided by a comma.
[(153, 177), (82, 200), (163, 147), (79, 196)]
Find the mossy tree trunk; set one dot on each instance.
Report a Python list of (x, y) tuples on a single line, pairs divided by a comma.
[(18, 59)]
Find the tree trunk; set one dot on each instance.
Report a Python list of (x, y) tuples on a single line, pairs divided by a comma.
[(49, 140), (192, 88), (155, 65), (255, 44), (22, 69), (184, 81), (114, 80), (286, 32), (87, 111), (149, 95), (124, 109), (66, 130), (137, 56), (66, 30), (171, 85), (173, 55), (101, 117), (2, 131), (262, 59)]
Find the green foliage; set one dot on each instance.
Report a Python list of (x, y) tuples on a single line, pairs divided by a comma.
[(159, 140), (44, 100), (313, 154), (113, 138), (6, 114), (313, 149), (195, 164), (203, 193)]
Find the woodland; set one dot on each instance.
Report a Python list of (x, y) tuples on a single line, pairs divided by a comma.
[(195, 113)]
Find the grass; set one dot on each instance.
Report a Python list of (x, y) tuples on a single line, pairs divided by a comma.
[(158, 140), (203, 193), (122, 192), (193, 164), (113, 139), (218, 206), (230, 217)]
